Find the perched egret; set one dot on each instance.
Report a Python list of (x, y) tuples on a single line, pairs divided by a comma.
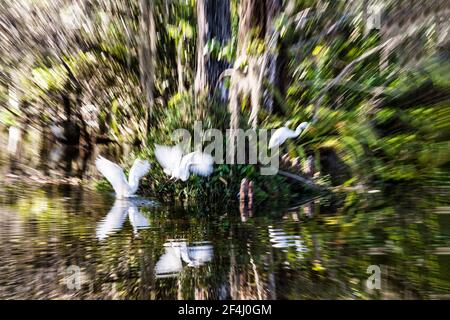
[(115, 175), (180, 167), (198, 254), (281, 134), (116, 217)]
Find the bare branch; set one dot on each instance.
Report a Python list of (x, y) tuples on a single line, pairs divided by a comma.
[(300, 179), (390, 44)]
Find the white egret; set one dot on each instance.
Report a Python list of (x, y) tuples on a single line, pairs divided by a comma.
[(281, 134), (180, 167), (115, 175), (116, 217)]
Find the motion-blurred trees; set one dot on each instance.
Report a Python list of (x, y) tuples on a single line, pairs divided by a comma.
[(133, 71)]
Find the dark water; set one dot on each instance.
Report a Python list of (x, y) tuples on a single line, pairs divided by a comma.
[(64, 242)]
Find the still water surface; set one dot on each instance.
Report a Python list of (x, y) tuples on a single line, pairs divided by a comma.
[(63, 242)]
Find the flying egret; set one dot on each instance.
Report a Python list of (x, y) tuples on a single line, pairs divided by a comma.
[(180, 167), (281, 134), (115, 175), (116, 217)]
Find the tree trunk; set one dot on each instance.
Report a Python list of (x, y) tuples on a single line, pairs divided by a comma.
[(214, 23), (273, 59), (252, 14), (181, 87), (247, 83), (147, 54)]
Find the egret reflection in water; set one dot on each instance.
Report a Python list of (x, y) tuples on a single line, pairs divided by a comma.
[(177, 252), (116, 217), (280, 239)]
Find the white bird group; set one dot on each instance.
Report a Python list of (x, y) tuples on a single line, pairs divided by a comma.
[(280, 239), (282, 134), (174, 163), (180, 166), (14, 137)]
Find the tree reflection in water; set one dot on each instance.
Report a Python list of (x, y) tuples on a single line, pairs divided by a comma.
[(272, 255)]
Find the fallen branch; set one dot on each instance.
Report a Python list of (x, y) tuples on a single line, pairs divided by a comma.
[(300, 179)]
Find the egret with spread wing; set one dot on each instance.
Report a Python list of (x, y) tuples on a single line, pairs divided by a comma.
[(180, 167), (115, 175), (282, 134)]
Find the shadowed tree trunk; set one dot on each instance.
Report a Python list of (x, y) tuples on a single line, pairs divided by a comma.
[(147, 54), (256, 26), (246, 80), (273, 68), (213, 21)]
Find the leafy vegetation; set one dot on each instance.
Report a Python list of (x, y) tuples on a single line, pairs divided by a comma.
[(129, 72)]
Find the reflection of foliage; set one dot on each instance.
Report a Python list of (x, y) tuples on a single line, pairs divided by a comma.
[(397, 230)]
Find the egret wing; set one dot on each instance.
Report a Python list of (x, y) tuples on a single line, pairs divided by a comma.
[(139, 169), (200, 163), (113, 173), (168, 157), (201, 253), (58, 132)]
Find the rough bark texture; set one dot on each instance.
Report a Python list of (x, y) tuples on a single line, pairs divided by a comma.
[(273, 59), (252, 14), (181, 87), (213, 20), (247, 81), (147, 54), (257, 22)]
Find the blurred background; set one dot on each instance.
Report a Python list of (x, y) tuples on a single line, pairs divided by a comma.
[(79, 78)]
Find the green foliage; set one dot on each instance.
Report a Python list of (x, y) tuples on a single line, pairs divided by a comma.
[(400, 139)]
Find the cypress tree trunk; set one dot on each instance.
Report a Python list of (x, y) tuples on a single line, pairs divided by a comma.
[(147, 54), (273, 68), (247, 81), (213, 20)]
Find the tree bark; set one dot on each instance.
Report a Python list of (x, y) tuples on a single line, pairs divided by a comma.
[(273, 59), (247, 82), (147, 54), (214, 23)]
